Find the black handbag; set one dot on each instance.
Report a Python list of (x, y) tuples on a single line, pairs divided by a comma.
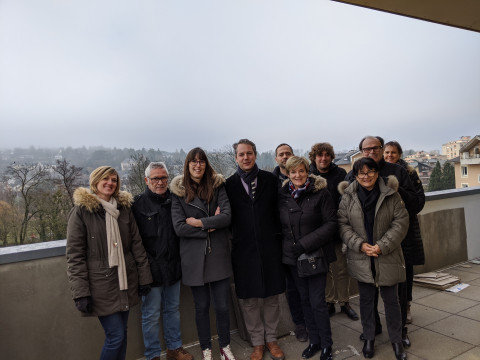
[(311, 264)]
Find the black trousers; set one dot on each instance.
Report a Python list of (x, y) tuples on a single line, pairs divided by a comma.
[(403, 301), (312, 295), (392, 310), (293, 299)]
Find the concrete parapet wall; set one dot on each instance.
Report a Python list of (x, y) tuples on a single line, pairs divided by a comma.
[(39, 319)]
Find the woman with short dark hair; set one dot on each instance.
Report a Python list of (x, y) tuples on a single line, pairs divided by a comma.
[(373, 222)]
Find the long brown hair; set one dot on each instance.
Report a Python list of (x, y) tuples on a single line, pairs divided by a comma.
[(204, 190)]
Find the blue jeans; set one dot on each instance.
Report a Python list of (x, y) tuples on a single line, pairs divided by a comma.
[(115, 327), (201, 296), (167, 300)]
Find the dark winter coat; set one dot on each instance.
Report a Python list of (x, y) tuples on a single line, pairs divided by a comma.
[(310, 220), (153, 214), (87, 255), (256, 242), (389, 229), (413, 245), (281, 178), (205, 255), (334, 176)]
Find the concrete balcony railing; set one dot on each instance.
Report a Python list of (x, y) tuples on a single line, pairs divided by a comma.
[(39, 319)]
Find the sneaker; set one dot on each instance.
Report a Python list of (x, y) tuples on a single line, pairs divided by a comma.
[(226, 353), (207, 354), (179, 354)]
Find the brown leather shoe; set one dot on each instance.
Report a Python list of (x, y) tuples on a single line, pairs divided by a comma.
[(257, 353), (179, 354), (275, 352)]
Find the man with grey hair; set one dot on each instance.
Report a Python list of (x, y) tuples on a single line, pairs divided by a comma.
[(152, 211)]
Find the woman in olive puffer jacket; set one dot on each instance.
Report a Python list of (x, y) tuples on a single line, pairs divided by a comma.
[(373, 222)]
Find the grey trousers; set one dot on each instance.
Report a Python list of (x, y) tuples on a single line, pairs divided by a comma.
[(338, 279), (261, 329), (393, 314)]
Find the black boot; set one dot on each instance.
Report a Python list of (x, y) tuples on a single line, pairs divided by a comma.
[(326, 353), (405, 340), (368, 349), (311, 350), (400, 353), (346, 309)]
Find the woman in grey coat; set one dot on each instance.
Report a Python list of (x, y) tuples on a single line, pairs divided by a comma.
[(373, 222), (201, 217)]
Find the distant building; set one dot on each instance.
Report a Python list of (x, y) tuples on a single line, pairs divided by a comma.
[(127, 164), (452, 148), (467, 166), (346, 160)]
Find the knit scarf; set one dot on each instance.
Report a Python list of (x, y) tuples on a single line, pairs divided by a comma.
[(368, 199), (114, 240), (248, 178), (296, 193)]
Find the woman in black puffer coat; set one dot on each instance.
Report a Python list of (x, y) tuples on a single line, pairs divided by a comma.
[(309, 223), (412, 246)]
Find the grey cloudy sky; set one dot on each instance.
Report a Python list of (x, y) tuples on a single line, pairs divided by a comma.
[(184, 73)]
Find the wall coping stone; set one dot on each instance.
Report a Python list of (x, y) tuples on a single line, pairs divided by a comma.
[(446, 194), (11, 254)]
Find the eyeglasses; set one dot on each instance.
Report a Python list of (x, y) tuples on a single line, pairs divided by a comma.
[(368, 150), (155, 180), (369, 174), (198, 162)]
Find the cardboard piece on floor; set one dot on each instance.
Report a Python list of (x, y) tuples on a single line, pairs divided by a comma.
[(439, 281)]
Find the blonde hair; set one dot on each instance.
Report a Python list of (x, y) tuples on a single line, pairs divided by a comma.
[(99, 174), (295, 161)]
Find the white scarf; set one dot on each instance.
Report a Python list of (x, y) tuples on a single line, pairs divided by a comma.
[(114, 240)]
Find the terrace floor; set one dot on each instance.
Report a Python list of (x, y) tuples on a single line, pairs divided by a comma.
[(445, 326)]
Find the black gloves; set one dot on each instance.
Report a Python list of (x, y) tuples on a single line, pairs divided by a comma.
[(143, 290), (84, 304), (298, 249)]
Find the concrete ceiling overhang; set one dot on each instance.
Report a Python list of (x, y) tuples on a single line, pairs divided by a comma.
[(464, 14)]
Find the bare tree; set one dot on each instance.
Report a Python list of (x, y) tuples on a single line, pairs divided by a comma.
[(70, 176), (223, 160), (27, 178), (136, 174)]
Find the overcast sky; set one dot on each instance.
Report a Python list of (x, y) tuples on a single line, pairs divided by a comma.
[(179, 74)]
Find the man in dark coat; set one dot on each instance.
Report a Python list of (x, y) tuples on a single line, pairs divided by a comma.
[(152, 210), (256, 249), (338, 281), (373, 147)]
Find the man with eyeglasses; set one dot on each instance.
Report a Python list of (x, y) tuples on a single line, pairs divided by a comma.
[(372, 147), (152, 211)]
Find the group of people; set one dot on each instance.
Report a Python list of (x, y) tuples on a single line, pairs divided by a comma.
[(304, 229)]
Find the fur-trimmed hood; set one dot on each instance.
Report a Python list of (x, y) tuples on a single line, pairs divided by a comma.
[(319, 182), (83, 197), (177, 188), (391, 182)]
